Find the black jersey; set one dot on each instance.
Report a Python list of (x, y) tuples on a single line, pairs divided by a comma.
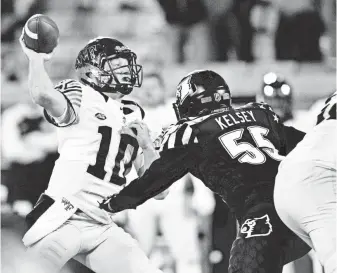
[(235, 152)]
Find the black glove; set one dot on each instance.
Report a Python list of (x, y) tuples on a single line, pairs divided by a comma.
[(109, 204), (106, 203)]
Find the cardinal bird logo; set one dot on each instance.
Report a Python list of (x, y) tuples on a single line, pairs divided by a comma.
[(257, 227)]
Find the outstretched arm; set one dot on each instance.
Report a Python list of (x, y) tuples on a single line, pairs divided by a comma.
[(40, 85), (163, 172)]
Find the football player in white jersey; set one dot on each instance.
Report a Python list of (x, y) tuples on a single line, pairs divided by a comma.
[(308, 177), (278, 93), (95, 156)]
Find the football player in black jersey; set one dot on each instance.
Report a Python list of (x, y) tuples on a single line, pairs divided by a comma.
[(236, 153)]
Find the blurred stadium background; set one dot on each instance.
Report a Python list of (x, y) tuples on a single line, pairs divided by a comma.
[(192, 230)]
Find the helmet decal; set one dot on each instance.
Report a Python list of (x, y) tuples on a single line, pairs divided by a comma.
[(183, 89)]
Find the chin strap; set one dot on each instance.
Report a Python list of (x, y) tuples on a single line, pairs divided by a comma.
[(123, 89)]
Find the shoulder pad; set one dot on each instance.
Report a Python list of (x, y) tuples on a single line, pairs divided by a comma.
[(68, 85), (72, 91), (159, 139), (329, 109), (131, 106), (175, 136), (258, 105)]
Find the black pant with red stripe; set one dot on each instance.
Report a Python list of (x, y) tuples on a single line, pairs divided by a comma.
[(264, 244)]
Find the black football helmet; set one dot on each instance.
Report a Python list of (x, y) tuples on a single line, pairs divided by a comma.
[(200, 93), (278, 94), (99, 65)]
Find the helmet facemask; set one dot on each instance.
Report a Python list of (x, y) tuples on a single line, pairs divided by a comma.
[(122, 77)]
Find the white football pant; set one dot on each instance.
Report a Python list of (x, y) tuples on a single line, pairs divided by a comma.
[(305, 200), (102, 248)]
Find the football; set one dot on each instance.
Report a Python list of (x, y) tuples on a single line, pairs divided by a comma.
[(41, 33)]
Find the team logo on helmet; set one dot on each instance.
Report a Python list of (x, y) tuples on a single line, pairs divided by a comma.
[(256, 227), (183, 89), (91, 54)]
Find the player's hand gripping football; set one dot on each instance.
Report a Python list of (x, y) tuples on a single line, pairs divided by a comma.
[(140, 131), (31, 54)]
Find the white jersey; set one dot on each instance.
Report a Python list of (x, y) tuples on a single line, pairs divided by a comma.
[(94, 155), (319, 144), (156, 118), (305, 120)]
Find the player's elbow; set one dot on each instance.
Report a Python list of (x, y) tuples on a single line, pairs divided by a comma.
[(41, 98), (38, 98), (41, 90)]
